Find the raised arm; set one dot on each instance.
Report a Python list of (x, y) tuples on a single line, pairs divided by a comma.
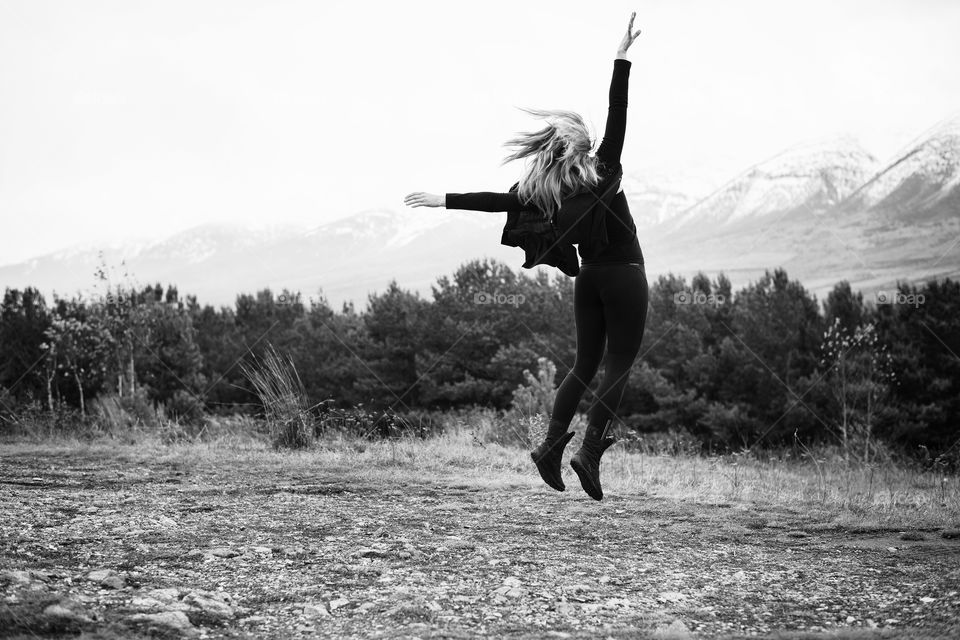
[(613, 135)]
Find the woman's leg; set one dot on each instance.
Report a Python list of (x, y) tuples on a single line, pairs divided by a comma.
[(591, 328), (591, 334), (624, 295)]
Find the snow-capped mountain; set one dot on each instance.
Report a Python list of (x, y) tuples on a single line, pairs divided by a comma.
[(343, 260), (396, 229), (825, 212), (656, 198), (922, 183), (822, 212), (209, 241), (809, 178)]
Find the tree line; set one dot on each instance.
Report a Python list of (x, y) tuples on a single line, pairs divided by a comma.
[(761, 365)]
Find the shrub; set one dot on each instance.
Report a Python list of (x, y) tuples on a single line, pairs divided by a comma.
[(185, 407), (525, 423)]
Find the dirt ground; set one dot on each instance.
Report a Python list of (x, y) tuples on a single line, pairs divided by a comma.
[(104, 544)]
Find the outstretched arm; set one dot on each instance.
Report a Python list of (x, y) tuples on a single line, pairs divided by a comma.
[(475, 201), (613, 135), (485, 201)]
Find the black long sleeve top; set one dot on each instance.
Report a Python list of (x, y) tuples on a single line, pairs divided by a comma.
[(621, 230)]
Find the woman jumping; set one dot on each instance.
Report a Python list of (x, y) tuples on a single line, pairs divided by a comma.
[(610, 291)]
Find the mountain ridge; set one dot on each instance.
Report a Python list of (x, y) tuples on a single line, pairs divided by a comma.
[(800, 209)]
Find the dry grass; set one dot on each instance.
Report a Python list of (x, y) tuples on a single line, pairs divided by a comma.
[(280, 389), (870, 496), (874, 495)]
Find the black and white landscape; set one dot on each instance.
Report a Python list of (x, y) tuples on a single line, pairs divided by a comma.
[(184, 453)]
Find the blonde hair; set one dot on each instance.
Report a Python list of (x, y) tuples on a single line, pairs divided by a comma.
[(559, 161)]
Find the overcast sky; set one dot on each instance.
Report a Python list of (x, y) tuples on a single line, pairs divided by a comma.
[(131, 118)]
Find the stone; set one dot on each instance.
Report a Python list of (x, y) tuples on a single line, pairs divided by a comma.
[(143, 603), (107, 578), (15, 576), (113, 582), (67, 609), (565, 608), (167, 595), (99, 574), (45, 576), (173, 620), (613, 603), (211, 606), (315, 611), (293, 551), (671, 596), (224, 552), (165, 522)]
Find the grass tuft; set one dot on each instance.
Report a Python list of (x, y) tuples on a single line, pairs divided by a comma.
[(280, 389)]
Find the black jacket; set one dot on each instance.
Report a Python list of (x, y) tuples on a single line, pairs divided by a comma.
[(581, 219)]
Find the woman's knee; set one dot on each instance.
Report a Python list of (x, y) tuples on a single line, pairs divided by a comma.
[(621, 360), (585, 368)]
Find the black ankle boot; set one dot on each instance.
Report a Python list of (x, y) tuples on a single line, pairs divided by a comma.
[(586, 461), (548, 455)]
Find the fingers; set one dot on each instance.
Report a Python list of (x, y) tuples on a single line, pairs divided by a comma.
[(417, 199), (630, 30)]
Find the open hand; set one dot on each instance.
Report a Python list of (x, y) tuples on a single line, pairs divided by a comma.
[(628, 39), (421, 199)]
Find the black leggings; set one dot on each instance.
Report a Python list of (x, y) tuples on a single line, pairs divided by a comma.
[(609, 304)]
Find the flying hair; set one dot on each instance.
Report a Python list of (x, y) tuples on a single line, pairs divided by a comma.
[(558, 161)]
